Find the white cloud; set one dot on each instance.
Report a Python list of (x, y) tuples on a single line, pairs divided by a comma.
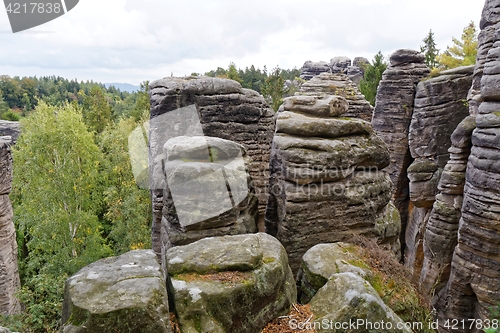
[(132, 40)]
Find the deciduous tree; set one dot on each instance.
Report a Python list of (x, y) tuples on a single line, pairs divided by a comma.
[(463, 52)]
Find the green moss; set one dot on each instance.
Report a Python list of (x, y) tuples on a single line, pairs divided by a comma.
[(496, 114), (268, 260)]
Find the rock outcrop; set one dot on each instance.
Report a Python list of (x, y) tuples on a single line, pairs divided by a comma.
[(118, 294), (326, 181), (321, 262), (441, 231), (392, 116), (337, 65), (11, 129), (440, 105), (347, 296), (341, 85), (9, 272), (475, 270), (230, 284), (214, 107), (310, 69), (207, 190)]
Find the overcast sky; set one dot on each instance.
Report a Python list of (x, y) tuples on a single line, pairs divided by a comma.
[(135, 40)]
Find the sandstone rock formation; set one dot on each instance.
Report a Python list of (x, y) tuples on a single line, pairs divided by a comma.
[(9, 273), (392, 117), (118, 294), (196, 106), (340, 64), (347, 296), (441, 231), (326, 181), (475, 270), (230, 284), (341, 85), (337, 65), (311, 69), (321, 262), (10, 128), (440, 105), (207, 190)]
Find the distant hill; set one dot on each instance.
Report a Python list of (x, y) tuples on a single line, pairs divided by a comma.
[(123, 86)]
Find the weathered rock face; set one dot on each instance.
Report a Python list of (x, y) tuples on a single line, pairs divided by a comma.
[(207, 190), (231, 283), (321, 262), (475, 271), (341, 85), (440, 105), (488, 25), (441, 231), (326, 180), (10, 128), (196, 106), (392, 116), (118, 294), (337, 65), (346, 296), (340, 64), (310, 69), (9, 273)]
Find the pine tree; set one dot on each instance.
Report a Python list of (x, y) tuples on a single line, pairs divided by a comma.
[(373, 74), (463, 52), (429, 50)]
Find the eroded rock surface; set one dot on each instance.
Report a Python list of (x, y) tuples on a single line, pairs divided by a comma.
[(346, 296), (9, 272), (341, 85), (11, 129), (310, 69), (392, 116), (441, 231), (230, 284), (326, 181), (196, 106), (118, 294), (440, 105), (475, 270), (207, 190)]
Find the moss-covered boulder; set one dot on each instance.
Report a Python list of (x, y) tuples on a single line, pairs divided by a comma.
[(230, 284), (348, 303), (324, 260), (118, 294)]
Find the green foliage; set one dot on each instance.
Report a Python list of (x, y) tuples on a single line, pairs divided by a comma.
[(97, 110), (57, 199), (128, 208), (463, 52), (429, 50), (4, 108), (494, 320), (274, 88), (373, 74)]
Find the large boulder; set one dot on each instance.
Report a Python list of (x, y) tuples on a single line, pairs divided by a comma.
[(213, 107), (207, 190), (230, 284), (340, 85), (118, 294), (440, 105), (392, 116), (9, 272), (326, 181), (322, 261), (473, 287), (348, 303)]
